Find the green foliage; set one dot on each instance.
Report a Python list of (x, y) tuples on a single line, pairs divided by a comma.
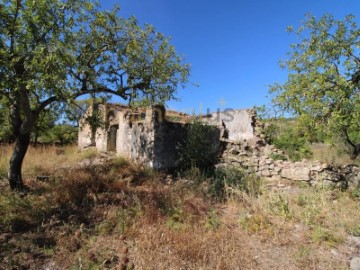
[(295, 146), (288, 137), (233, 178), (321, 235), (63, 134), (276, 156), (354, 230), (281, 207), (213, 221), (271, 131), (355, 193), (254, 223), (198, 149), (5, 131), (177, 219), (195, 174), (324, 79)]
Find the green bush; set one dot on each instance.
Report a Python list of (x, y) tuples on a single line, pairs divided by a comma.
[(199, 149), (234, 178), (286, 136), (296, 146)]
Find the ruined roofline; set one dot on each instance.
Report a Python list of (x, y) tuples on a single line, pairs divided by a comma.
[(250, 110), (172, 111), (112, 105)]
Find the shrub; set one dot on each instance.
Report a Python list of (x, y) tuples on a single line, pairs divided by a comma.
[(295, 145), (198, 149), (231, 177), (286, 136)]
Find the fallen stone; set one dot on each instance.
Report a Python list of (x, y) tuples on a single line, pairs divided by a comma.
[(355, 263), (296, 173), (265, 173)]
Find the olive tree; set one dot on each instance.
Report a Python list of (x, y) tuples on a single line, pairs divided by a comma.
[(54, 51), (323, 85)]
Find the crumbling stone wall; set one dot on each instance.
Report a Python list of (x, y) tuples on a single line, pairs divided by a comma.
[(239, 124), (254, 157), (86, 137)]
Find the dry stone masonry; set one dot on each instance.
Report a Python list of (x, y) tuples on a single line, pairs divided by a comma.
[(151, 135)]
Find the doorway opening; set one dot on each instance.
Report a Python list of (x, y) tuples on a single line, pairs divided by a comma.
[(111, 145)]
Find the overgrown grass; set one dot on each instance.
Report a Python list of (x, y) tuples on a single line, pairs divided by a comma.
[(44, 160), (332, 154), (121, 216)]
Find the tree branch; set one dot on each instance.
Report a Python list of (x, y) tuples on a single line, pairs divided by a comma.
[(46, 103)]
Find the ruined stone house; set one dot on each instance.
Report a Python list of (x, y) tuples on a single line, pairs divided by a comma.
[(151, 136)]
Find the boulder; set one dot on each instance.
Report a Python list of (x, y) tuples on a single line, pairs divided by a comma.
[(296, 173)]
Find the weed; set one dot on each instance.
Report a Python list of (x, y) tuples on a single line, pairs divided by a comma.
[(354, 230), (281, 207), (321, 235), (213, 221), (301, 200), (194, 174), (223, 177), (119, 161), (355, 193), (147, 172), (303, 254), (277, 156), (254, 223), (89, 154), (104, 228), (177, 219)]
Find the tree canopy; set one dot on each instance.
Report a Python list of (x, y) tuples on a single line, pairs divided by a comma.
[(322, 88), (54, 51)]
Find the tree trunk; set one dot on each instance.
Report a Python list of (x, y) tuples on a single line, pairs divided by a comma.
[(355, 151), (36, 136), (355, 148), (20, 147)]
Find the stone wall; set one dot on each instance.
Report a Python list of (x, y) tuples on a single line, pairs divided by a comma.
[(85, 136), (239, 124), (256, 159), (135, 135)]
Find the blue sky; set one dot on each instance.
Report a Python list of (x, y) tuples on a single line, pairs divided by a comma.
[(233, 46)]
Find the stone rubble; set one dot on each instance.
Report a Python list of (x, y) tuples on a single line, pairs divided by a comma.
[(259, 158)]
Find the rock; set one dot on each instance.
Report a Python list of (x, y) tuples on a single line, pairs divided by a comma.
[(296, 173), (42, 178), (265, 173), (355, 263), (316, 168), (354, 179), (354, 241), (278, 163)]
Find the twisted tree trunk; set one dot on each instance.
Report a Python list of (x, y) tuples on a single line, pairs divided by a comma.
[(355, 148), (20, 147)]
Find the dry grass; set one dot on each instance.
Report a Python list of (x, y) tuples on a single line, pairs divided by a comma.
[(121, 216), (331, 154), (44, 160)]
